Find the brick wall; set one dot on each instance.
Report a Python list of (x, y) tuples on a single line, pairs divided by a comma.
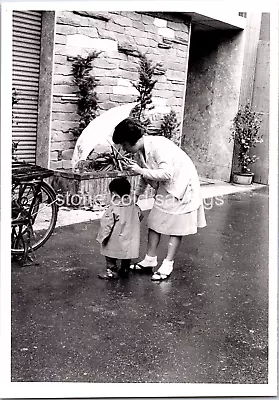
[(164, 37)]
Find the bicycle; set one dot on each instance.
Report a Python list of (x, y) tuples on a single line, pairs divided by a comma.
[(34, 209)]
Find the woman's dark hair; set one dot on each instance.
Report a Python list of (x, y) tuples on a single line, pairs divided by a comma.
[(129, 130), (121, 186)]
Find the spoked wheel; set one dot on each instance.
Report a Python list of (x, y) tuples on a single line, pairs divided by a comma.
[(39, 210), (19, 244)]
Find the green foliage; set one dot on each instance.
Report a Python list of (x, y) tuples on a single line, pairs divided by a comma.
[(103, 162), (86, 83), (169, 126), (144, 86), (245, 133)]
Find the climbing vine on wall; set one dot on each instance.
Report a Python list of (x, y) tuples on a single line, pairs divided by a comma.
[(169, 126), (86, 83), (144, 86)]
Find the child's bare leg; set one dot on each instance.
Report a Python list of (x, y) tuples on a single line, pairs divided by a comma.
[(153, 242)]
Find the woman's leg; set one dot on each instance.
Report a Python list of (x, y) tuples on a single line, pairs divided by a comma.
[(167, 265), (150, 260), (173, 246), (153, 242)]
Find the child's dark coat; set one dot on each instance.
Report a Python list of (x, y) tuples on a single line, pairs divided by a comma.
[(119, 232)]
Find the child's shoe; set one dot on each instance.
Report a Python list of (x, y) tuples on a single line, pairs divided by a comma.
[(109, 275), (123, 272)]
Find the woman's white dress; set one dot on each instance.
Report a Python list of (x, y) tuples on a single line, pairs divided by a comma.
[(178, 207)]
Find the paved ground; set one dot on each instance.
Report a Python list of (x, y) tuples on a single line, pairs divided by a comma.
[(206, 324)]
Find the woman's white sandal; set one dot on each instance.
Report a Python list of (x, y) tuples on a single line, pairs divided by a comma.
[(163, 272), (140, 268), (146, 265), (158, 276)]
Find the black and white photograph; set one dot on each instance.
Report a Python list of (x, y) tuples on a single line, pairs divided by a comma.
[(139, 181)]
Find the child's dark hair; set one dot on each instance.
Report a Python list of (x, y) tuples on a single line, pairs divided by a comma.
[(129, 130), (120, 186)]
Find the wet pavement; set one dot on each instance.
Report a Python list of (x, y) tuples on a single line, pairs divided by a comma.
[(206, 324)]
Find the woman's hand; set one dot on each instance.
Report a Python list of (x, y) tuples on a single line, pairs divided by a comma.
[(132, 166)]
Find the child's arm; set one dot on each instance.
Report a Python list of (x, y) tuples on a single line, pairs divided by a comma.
[(106, 225), (140, 188)]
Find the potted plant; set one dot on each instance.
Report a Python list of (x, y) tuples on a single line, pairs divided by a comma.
[(245, 134)]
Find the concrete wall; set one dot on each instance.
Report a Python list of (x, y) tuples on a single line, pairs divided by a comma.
[(165, 39), (260, 100), (252, 33), (255, 86), (213, 87), (44, 104)]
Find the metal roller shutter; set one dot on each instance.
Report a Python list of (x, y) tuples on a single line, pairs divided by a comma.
[(26, 69)]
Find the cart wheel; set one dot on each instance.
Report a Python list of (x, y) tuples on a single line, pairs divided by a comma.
[(20, 245), (42, 214)]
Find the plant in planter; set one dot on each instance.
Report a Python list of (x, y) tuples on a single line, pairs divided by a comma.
[(107, 161), (245, 133), (95, 173)]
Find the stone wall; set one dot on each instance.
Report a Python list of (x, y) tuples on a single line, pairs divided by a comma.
[(164, 37)]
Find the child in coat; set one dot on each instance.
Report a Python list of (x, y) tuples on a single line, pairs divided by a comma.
[(119, 233)]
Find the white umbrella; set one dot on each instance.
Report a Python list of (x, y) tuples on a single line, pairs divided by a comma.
[(99, 131)]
